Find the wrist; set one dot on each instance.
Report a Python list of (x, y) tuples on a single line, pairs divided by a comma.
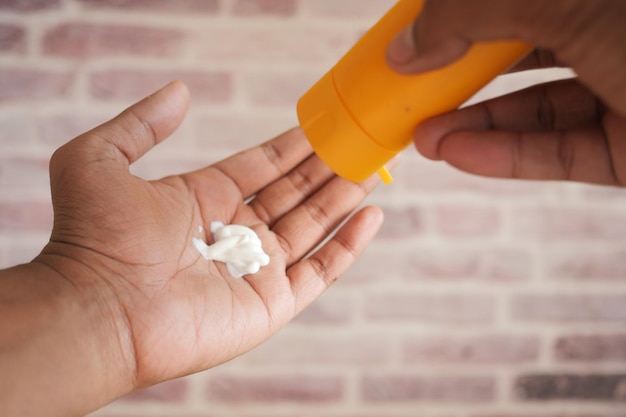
[(63, 340)]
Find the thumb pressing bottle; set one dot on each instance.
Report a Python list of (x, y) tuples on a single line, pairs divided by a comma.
[(362, 113)]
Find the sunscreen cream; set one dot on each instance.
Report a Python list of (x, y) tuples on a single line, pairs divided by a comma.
[(237, 246)]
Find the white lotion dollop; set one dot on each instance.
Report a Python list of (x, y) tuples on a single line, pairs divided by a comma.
[(239, 247)]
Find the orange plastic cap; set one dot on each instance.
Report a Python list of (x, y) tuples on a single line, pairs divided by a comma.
[(337, 137)]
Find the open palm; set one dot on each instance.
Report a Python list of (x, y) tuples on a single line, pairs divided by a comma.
[(169, 311)]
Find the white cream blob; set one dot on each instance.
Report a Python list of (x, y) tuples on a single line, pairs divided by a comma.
[(239, 247)]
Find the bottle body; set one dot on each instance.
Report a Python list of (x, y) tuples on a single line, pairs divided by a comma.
[(382, 108)]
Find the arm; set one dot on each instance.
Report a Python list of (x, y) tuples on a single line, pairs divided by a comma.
[(55, 355)]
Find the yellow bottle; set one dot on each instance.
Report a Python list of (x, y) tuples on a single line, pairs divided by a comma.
[(362, 113)]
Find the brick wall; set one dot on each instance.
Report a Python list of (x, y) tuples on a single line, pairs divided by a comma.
[(479, 298)]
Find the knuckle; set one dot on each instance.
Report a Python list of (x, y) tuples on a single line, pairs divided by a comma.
[(319, 215), (321, 270)]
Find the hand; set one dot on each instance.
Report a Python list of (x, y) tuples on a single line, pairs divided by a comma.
[(125, 244), (565, 130)]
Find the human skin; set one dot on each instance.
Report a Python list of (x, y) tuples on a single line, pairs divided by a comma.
[(120, 299), (564, 130)]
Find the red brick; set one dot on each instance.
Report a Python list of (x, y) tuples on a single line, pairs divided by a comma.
[(264, 7), (16, 131), (377, 263), (270, 45), (588, 264), (25, 250), (211, 87), (468, 221), (84, 40), (434, 179), (271, 389), (54, 131), (445, 389), (329, 309), (566, 223), (21, 172), (401, 222), (12, 38), (347, 9), (4, 259), (167, 392), (472, 349), (276, 89), (27, 84), (154, 168), (26, 216), (489, 264), (174, 156), (414, 307), (322, 349), (419, 263), (569, 308), (155, 6), (595, 347), (29, 5), (609, 194), (575, 387), (237, 131)]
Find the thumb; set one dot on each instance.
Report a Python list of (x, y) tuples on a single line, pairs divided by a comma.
[(586, 35), (131, 134), (142, 126), (445, 29)]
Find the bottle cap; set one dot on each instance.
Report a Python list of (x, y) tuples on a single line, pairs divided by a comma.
[(337, 138)]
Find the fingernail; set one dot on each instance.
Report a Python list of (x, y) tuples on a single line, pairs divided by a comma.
[(401, 49)]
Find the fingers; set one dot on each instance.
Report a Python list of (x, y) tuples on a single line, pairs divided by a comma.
[(315, 219), (291, 190), (140, 127), (312, 276), (560, 105), (501, 141), (578, 155), (255, 168)]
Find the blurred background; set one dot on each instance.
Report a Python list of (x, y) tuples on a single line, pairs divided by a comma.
[(479, 297)]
